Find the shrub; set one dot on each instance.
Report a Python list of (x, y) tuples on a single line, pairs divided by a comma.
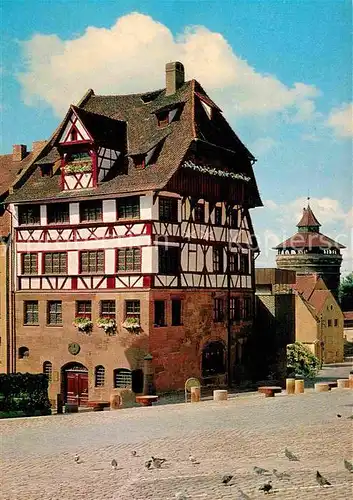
[(301, 361), (24, 392)]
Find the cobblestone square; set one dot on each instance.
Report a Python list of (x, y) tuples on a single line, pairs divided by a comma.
[(37, 454)]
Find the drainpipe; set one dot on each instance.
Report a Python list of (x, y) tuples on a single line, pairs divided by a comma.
[(229, 333)]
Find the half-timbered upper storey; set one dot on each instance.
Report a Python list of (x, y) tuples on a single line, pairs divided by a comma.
[(149, 189)]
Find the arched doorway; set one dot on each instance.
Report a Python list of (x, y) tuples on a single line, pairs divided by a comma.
[(74, 378), (213, 359)]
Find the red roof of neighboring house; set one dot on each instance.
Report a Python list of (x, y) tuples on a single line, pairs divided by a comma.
[(309, 240), (348, 315), (318, 299), (308, 218), (305, 285), (9, 170), (306, 288)]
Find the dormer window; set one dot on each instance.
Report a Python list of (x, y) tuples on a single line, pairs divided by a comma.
[(139, 161), (163, 118), (46, 170)]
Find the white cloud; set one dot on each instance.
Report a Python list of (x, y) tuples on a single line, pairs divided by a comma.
[(262, 146), (130, 57), (341, 120)]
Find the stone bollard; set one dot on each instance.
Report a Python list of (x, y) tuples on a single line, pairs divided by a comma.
[(195, 394), (220, 395), (290, 385), (71, 408), (321, 387), (115, 401), (351, 380), (343, 383), (59, 404), (299, 386)]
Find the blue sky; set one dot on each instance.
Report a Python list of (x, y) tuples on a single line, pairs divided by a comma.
[(280, 70)]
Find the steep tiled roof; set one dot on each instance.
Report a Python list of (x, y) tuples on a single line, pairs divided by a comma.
[(308, 219), (309, 240), (176, 140)]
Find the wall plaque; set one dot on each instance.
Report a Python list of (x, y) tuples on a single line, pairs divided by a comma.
[(74, 348)]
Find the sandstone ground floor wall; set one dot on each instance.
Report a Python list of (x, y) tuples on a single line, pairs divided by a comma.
[(177, 350)]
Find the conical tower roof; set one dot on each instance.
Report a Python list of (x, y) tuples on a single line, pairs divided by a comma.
[(308, 220)]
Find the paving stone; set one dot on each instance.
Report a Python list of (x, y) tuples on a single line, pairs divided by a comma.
[(37, 454)]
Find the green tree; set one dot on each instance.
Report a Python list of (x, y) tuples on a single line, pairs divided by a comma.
[(345, 293), (301, 361)]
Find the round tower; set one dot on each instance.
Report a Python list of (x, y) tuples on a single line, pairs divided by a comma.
[(309, 251)]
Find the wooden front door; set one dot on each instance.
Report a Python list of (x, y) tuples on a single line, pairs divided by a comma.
[(77, 387)]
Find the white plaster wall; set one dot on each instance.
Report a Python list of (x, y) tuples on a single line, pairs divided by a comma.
[(43, 215), (147, 260), (154, 254), (72, 263), (146, 204), (14, 211), (110, 261), (109, 210), (74, 209), (82, 130)]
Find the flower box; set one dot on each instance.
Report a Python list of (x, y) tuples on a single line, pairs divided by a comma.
[(107, 324), (132, 324), (83, 324)]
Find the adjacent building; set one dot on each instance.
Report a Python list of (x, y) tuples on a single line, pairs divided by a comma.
[(133, 236), (319, 319), (309, 251), (11, 166), (275, 320)]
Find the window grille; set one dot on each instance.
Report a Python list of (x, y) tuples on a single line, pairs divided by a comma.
[(31, 312), (91, 211), (129, 208), (129, 259), (92, 261), (55, 263), (48, 369), (99, 375), (29, 263), (54, 312), (122, 378)]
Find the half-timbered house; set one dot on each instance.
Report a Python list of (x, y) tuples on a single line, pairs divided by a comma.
[(133, 236)]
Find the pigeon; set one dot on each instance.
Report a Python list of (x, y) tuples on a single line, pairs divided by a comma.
[(260, 471), (267, 487), (134, 453), (114, 464), (280, 475), (226, 479), (193, 460), (243, 496), (181, 496), (77, 458), (338, 415), (322, 480), (157, 462), (148, 464), (348, 465), (291, 456)]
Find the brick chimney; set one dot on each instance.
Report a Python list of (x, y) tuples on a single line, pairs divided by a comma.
[(37, 146), (19, 151), (174, 77)]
